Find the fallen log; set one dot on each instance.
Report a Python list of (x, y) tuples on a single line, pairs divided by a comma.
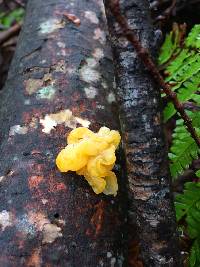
[(61, 77), (150, 197)]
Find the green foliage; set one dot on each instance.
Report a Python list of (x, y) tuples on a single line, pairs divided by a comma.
[(193, 39), (14, 16), (184, 149), (181, 59), (188, 208), (182, 66), (198, 173), (170, 45)]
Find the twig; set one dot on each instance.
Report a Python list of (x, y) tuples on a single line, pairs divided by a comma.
[(145, 56), (166, 14), (6, 35), (191, 106), (18, 2)]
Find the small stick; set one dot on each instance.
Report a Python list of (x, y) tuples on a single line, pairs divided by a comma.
[(145, 56), (18, 2), (6, 35)]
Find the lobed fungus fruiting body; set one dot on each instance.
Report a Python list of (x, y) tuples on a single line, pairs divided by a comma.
[(93, 156)]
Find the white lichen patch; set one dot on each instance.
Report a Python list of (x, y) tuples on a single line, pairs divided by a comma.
[(5, 219), (101, 263), (109, 254), (91, 16), (60, 66), (102, 7), (61, 44), (154, 100), (62, 52), (91, 62), (51, 25), (99, 35), (112, 262), (44, 201), (47, 92), (50, 233), (24, 225), (111, 98), (62, 222), (84, 123), (32, 223), (66, 117), (100, 107), (27, 102), (38, 220), (34, 123), (114, 84), (48, 124), (88, 73), (71, 70), (2, 178), (104, 84), (18, 129), (32, 85), (90, 92), (154, 222), (120, 260), (98, 53)]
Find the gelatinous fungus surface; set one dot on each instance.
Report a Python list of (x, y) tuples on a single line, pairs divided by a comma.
[(93, 156)]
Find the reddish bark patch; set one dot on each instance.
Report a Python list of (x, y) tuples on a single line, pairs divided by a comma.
[(34, 181), (35, 259)]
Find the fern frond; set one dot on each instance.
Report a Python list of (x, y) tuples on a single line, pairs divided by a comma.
[(193, 39), (189, 200), (183, 66), (184, 149), (170, 45), (189, 67), (194, 259), (187, 92), (188, 206)]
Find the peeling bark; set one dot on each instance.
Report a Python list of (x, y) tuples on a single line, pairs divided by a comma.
[(150, 198), (62, 66)]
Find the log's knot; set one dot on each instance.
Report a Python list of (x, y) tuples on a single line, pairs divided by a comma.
[(93, 156)]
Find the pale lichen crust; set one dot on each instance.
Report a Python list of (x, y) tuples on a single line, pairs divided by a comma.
[(93, 156)]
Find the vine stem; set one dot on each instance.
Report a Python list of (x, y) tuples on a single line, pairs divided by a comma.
[(146, 57)]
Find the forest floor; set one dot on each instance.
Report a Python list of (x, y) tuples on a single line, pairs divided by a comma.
[(11, 13)]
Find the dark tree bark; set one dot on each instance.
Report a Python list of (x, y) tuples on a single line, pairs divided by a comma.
[(62, 66), (150, 197)]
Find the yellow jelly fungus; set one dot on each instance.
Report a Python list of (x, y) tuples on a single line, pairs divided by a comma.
[(93, 156)]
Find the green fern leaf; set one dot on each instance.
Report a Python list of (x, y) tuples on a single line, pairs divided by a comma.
[(188, 206), (194, 260), (177, 63), (183, 70), (170, 45), (198, 175), (184, 149), (190, 66), (185, 93), (169, 111), (186, 202), (193, 39)]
